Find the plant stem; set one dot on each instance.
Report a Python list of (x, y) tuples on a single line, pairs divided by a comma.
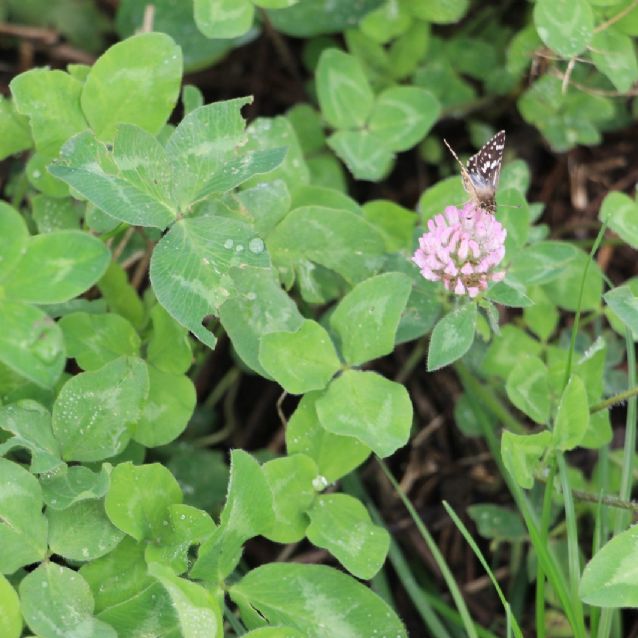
[(221, 388), (617, 398), (452, 615), (601, 527), (234, 622), (581, 292), (619, 16), (227, 385), (412, 361), (630, 433), (589, 497)]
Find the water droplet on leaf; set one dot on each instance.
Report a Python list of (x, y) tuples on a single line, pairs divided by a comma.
[(256, 245)]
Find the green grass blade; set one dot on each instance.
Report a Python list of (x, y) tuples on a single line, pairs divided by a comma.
[(352, 485), (539, 603), (511, 620), (548, 561), (452, 616), (572, 541), (451, 583), (233, 621)]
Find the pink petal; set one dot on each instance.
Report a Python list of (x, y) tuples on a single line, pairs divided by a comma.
[(451, 269), (452, 214), (429, 275)]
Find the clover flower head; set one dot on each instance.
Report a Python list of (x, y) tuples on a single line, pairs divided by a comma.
[(462, 249)]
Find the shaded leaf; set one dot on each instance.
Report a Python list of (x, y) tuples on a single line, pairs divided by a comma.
[(342, 525), (197, 609), (167, 409), (95, 339), (368, 407), (335, 455), (363, 152), (224, 18), (522, 454), (57, 267), (82, 531), (138, 498), (572, 416), (300, 361), (402, 116), (528, 388), (73, 484), (566, 26), (247, 513), (30, 424), (327, 236), (291, 482), (31, 343)]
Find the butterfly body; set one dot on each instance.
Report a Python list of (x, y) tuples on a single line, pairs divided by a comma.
[(480, 176)]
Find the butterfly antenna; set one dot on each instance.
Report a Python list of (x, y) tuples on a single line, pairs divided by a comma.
[(454, 155)]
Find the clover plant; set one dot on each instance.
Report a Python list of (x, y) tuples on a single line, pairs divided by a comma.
[(154, 237)]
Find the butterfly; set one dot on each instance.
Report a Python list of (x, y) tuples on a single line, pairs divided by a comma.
[(480, 177)]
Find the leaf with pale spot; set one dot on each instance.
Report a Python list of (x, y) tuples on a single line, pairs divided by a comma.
[(318, 600), (610, 579), (344, 93), (248, 512), (193, 266), (197, 609), (95, 412), (30, 424), (367, 318), (23, 532), (57, 601)]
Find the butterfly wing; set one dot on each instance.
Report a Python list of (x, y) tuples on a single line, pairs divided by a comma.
[(484, 167)]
